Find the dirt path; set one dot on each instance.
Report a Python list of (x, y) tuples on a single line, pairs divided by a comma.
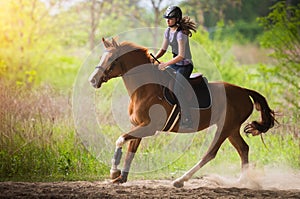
[(195, 188)]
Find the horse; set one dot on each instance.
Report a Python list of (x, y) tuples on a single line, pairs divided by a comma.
[(150, 111)]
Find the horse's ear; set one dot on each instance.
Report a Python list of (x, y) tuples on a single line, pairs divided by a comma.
[(106, 43), (114, 42)]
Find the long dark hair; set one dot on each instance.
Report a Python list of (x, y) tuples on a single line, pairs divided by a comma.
[(187, 25)]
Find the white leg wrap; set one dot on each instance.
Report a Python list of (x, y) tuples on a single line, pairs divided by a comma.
[(179, 182), (120, 142)]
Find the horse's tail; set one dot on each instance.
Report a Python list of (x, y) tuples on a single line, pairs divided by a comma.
[(267, 115)]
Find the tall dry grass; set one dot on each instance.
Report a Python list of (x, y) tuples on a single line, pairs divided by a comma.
[(38, 139)]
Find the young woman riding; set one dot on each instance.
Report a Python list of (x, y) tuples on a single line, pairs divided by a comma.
[(176, 35)]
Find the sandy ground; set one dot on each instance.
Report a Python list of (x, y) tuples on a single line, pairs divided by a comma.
[(204, 187)]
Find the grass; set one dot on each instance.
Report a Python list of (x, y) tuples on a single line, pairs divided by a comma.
[(39, 143), (38, 139)]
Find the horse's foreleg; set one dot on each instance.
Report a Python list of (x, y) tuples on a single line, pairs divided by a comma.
[(114, 171), (135, 135), (211, 153), (132, 148)]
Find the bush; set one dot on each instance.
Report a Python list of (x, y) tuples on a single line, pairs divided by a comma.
[(281, 34)]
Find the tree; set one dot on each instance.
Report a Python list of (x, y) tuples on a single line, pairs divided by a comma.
[(95, 10), (147, 14), (208, 12), (26, 37), (282, 34)]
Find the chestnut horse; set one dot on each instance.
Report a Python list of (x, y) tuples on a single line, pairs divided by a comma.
[(149, 110)]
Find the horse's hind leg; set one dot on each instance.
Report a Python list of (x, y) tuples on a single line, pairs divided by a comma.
[(219, 138), (241, 146)]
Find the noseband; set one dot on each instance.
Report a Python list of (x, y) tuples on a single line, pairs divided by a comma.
[(107, 72)]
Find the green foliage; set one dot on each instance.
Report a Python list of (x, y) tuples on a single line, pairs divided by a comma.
[(238, 16), (282, 32), (25, 40), (33, 45), (217, 63), (282, 28), (240, 32)]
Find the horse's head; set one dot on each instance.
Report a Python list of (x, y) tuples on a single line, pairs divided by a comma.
[(109, 65)]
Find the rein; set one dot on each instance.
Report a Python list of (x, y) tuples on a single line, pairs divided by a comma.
[(107, 72), (154, 58)]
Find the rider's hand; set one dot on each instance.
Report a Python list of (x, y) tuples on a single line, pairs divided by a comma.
[(152, 60), (162, 66)]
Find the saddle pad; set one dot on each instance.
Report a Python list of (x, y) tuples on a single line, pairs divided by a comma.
[(201, 89)]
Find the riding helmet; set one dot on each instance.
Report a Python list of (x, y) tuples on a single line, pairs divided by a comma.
[(173, 12)]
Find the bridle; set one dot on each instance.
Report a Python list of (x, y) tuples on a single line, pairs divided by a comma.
[(107, 72)]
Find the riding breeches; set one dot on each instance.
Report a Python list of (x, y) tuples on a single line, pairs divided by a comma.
[(182, 73)]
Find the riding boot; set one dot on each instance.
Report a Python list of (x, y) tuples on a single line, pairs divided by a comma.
[(180, 84), (186, 119)]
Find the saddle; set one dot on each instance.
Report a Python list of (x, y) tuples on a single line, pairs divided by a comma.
[(199, 84)]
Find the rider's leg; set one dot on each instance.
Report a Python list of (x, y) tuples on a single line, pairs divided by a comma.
[(183, 73)]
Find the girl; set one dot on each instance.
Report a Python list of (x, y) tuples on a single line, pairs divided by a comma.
[(176, 35)]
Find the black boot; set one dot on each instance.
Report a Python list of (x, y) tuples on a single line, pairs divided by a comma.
[(186, 121)]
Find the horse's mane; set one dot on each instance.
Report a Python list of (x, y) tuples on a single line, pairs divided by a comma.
[(127, 46)]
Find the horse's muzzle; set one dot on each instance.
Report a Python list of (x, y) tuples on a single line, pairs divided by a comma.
[(95, 83)]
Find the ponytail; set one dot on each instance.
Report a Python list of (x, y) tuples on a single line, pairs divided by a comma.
[(187, 25)]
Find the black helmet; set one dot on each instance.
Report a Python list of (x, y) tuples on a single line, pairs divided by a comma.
[(173, 12)]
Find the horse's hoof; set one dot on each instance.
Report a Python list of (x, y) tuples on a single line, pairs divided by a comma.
[(178, 184), (115, 173), (119, 180)]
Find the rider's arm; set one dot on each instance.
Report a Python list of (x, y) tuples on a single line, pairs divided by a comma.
[(163, 49), (160, 53)]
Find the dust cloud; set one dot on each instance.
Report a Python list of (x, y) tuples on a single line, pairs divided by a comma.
[(267, 178)]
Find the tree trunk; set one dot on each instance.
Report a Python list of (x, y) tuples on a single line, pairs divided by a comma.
[(93, 25)]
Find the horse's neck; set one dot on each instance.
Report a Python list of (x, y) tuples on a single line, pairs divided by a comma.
[(135, 59), (140, 76), (139, 73)]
